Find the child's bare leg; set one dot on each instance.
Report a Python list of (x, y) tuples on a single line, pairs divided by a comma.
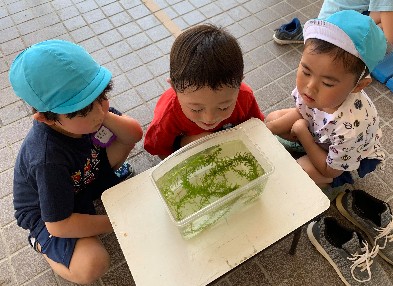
[(313, 173), (277, 114), (89, 262), (280, 122)]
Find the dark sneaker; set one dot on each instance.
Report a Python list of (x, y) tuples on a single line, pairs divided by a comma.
[(125, 172), (291, 33), (350, 255), (372, 216)]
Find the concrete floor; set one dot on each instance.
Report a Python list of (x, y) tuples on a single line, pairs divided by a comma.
[(133, 39)]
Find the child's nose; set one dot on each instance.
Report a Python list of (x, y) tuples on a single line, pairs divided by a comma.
[(209, 117), (312, 86)]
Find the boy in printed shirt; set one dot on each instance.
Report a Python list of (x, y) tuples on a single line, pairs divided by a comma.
[(334, 119)]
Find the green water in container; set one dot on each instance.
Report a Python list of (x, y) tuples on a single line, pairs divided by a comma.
[(206, 177)]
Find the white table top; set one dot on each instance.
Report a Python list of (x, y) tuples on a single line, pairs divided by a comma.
[(157, 254)]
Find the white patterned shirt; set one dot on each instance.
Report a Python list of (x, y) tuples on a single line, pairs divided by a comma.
[(349, 135)]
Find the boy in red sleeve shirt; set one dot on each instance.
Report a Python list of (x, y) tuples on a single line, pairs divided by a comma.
[(206, 94)]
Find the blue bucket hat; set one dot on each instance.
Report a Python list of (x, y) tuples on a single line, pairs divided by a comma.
[(57, 76), (353, 32)]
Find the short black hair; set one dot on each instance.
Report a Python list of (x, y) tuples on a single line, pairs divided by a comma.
[(350, 62), (49, 115), (206, 55)]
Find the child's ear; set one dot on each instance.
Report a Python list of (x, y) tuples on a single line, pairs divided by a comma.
[(41, 118), (363, 83), (168, 80)]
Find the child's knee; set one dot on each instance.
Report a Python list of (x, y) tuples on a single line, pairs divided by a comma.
[(99, 264), (271, 116), (91, 268), (94, 272), (313, 172), (278, 113), (89, 262)]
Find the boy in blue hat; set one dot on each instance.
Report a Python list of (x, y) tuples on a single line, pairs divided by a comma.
[(338, 126), (64, 164), (334, 119)]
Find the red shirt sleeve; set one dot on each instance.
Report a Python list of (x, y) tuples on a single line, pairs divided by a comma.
[(255, 111), (162, 131)]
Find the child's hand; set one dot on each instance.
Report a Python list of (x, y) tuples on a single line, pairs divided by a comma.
[(299, 128), (127, 131)]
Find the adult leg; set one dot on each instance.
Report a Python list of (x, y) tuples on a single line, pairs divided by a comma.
[(387, 24), (384, 19), (89, 262), (376, 16)]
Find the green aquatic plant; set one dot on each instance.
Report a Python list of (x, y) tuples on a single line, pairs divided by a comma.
[(205, 177)]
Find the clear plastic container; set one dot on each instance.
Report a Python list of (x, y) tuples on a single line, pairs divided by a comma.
[(210, 177)]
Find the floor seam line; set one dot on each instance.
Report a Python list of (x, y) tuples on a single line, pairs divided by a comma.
[(162, 17)]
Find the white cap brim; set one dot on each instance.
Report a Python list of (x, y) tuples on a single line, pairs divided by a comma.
[(320, 29)]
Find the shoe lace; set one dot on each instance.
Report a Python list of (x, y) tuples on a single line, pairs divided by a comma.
[(386, 233), (363, 261)]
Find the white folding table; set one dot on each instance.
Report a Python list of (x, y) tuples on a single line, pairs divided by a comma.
[(157, 254)]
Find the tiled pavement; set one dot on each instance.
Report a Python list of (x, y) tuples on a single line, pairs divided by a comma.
[(133, 38)]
